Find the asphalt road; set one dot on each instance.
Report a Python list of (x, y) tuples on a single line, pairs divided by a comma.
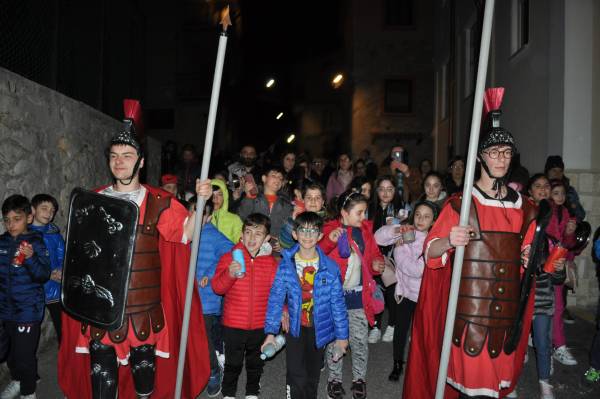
[(567, 380)]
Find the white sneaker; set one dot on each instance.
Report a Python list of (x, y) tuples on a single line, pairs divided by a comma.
[(546, 390), (388, 335), (228, 397), (251, 397), (374, 335), (564, 356), (12, 390), (30, 396)]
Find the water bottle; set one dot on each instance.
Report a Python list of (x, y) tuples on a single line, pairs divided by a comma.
[(238, 256), (337, 353), (271, 349)]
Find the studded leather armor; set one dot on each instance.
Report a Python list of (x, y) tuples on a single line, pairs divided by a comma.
[(143, 307), (490, 285)]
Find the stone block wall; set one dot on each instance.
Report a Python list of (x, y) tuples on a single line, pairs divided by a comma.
[(587, 184), (50, 143)]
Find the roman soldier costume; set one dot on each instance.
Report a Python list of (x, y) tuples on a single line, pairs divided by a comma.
[(123, 288), (482, 360)]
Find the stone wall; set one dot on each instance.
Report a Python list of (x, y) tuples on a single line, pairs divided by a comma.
[(51, 144), (587, 184)]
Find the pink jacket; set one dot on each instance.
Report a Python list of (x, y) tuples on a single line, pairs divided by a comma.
[(409, 261)]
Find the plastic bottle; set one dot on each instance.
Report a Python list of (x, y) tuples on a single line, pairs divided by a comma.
[(271, 349), (238, 256)]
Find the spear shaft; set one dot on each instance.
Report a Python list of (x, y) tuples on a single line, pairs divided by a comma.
[(484, 51), (201, 202)]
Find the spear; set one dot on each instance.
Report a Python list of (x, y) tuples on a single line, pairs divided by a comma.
[(486, 33), (210, 129)]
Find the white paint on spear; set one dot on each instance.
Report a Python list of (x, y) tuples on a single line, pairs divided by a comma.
[(484, 51), (210, 130)]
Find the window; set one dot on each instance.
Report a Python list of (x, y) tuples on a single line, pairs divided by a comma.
[(520, 25), (399, 13), (398, 97)]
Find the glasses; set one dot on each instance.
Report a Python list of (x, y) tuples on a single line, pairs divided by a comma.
[(310, 232), (385, 189), (494, 154)]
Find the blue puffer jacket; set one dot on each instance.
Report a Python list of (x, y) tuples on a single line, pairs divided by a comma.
[(213, 245), (22, 287), (329, 311), (56, 250)]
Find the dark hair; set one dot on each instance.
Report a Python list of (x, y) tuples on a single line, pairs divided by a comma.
[(535, 178), (557, 183), (456, 158), (348, 200), (39, 198), (257, 219), (308, 219), (16, 203), (434, 209), (209, 207), (313, 186), (357, 183), (274, 168)]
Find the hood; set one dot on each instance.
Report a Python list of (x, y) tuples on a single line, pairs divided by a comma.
[(50, 228), (290, 252), (221, 184)]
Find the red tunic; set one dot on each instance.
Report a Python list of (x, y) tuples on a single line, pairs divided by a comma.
[(74, 368), (480, 375)]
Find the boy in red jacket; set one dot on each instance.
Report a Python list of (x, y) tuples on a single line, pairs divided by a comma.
[(245, 304)]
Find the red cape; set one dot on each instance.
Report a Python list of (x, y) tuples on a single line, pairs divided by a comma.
[(74, 368), (428, 333)]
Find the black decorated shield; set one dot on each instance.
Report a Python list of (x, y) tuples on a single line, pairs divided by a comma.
[(98, 255)]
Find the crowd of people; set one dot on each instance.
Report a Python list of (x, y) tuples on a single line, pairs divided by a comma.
[(324, 253)]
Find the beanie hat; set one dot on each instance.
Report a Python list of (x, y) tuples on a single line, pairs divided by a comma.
[(554, 161)]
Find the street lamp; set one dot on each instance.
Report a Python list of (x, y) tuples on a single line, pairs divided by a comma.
[(337, 81), (278, 117), (270, 83), (291, 138)]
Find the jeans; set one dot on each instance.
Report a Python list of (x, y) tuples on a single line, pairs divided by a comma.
[(542, 325), (558, 326)]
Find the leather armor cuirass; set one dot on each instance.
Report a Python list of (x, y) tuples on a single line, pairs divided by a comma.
[(143, 308), (490, 285)]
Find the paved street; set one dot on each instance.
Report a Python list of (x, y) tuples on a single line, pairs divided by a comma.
[(567, 380)]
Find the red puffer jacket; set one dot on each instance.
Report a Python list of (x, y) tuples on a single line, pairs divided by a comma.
[(245, 299), (370, 253)]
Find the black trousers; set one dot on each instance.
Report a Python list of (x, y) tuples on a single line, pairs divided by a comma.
[(304, 363), (404, 312), (55, 310), (22, 359), (240, 346), (209, 323)]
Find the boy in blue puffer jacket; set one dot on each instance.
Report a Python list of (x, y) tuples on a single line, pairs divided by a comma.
[(24, 268), (311, 283), (213, 245), (44, 207)]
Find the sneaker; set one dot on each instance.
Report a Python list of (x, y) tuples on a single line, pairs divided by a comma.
[(546, 390), (30, 396), (335, 390), (374, 335), (228, 397), (567, 318), (359, 389), (214, 383), (563, 355), (592, 375), (12, 390), (251, 397), (388, 335)]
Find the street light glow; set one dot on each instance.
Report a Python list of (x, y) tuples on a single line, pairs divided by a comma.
[(338, 78), (279, 116), (270, 83), (291, 138)]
